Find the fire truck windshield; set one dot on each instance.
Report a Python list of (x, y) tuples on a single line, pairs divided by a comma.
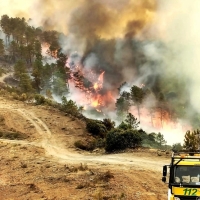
[(187, 175)]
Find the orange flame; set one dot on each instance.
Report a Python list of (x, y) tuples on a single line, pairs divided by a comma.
[(96, 86), (99, 84)]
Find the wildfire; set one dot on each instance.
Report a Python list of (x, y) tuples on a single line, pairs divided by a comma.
[(95, 103), (88, 83), (95, 86), (99, 84)]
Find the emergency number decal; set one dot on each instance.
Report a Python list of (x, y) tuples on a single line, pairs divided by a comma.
[(185, 191), (190, 191)]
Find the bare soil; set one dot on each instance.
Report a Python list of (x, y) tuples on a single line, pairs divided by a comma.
[(38, 160)]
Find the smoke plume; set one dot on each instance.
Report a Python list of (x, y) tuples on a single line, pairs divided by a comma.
[(138, 42)]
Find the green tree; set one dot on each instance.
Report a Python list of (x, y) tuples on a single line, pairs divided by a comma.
[(123, 126), (46, 76), (131, 121), (118, 139), (2, 48), (191, 140), (137, 96), (152, 137), (6, 27), (59, 86), (96, 127), (108, 124), (25, 83), (18, 30), (37, 74), (19, 68), (177, 147), (80, 109), (122, 107), (38, 49), (160, 139), (69, 106)]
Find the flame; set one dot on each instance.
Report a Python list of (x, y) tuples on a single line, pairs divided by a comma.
[(90, 86), (95, 103), (99, 84), (96, 86)]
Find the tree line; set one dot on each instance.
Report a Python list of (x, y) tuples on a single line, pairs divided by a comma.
[(23, 49)]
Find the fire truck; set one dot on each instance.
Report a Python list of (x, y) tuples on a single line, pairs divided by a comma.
[(183, 176)]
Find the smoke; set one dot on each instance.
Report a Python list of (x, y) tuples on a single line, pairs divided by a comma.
[(177, 25), (151, 42)]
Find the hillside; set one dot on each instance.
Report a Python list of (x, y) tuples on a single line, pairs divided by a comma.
[(39, 160)]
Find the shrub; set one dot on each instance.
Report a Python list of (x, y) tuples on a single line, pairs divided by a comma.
[(108, 124), (119, 139), (23, 97), (101, 143), (79, 144), (69, 106), (12, 135), (177, 147), (96, 127), (87, 146), (123, 126), (115, 140), (103, 176), (15, 95), (39, 99)]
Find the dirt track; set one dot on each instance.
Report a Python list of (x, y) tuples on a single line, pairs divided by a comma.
[(50, 142)]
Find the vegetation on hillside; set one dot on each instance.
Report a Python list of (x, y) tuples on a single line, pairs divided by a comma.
[(36, 81)]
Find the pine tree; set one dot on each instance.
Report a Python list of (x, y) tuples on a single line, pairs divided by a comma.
[(191, 140), (19, 68), (25, 83), (137, 96), (160, 139), (2, 48), (122, 107), (131, 121)]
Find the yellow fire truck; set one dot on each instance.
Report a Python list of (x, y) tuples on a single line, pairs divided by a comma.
[(183, 176)]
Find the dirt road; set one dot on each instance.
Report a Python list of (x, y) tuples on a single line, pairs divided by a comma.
[(50, 143)]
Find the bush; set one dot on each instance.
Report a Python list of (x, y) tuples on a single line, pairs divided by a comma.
[(133, 138), (23, 97), (39, 99), (96, 127), (12, 135), (115, 141), (87, 146), (69, 106), (15, 95), (101, 143), (177, 147), (119, 139), (123, 126), (108, 124)]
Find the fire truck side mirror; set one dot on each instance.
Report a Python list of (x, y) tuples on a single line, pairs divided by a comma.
[(164, 170), (164, 179)]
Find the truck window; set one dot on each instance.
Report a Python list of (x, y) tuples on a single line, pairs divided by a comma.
[(186, 174)]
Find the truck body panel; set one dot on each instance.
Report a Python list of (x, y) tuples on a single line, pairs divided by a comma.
[(183, 176)]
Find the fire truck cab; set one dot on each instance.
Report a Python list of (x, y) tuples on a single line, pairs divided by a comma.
[(183, 176)]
